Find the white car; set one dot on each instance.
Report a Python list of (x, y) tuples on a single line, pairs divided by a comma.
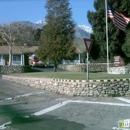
[(35, 62)]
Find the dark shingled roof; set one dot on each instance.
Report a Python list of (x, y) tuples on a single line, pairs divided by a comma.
[(18, 49), (23, 49)]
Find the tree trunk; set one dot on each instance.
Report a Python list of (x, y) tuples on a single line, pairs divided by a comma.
[(55, 67), (10, 55)]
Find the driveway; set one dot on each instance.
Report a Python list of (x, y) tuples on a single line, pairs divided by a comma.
[(35, 69)]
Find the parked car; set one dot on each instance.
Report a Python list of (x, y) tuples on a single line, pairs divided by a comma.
[(49, 65), (35, 62)]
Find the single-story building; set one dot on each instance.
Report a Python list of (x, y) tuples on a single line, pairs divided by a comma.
[(77, 60), (20, 55)]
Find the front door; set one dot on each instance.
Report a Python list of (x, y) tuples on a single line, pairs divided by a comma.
[(26, 57), (6, 60)]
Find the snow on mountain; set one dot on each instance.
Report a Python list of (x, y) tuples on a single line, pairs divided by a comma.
[(86, 28), (81, 31), (41, 22)]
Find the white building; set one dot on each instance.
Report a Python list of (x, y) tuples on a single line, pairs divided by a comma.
[(19, 54)]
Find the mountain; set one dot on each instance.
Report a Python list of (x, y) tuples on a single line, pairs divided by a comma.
[(38, 24), (41, 22), (81, 31), (86, 28)]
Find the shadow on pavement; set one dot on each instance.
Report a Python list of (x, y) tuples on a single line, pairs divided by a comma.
[(44, 122)]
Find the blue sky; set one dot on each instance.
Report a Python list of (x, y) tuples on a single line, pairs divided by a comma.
[(33, 10)]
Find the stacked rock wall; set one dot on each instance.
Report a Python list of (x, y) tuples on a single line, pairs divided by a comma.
[(14, 69), (93, 67), (94, 88), (119, 70)]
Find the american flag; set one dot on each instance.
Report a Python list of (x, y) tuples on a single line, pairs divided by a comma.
[(118, 18)]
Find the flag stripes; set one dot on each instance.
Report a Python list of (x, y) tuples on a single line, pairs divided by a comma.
[(118, 18), (120, 21)]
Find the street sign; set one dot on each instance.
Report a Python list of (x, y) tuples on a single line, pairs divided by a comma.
[(118, 61), (88, 43)]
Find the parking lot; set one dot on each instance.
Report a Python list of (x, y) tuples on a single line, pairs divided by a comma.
[(25, 108)]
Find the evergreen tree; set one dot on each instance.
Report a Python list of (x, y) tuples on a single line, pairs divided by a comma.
[(126, 45), (116, 37), (56, 41), (37, 34)]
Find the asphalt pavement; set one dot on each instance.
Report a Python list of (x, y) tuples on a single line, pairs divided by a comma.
[(46, 69), (27, 108)]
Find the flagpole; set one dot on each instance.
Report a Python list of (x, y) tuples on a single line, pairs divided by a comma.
[(107, 35)]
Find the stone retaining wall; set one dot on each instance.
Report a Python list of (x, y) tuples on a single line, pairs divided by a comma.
[(14, 69), (94, 88), (119, 70), (93, 67)]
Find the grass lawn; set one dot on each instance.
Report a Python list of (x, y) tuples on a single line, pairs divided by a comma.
[(75, 75)]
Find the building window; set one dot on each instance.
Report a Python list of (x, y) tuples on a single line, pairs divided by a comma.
[(16, 58), (77, 57)]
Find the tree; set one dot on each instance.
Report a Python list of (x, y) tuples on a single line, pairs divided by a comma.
[(25, 35), (37, 34), (2, 42), (56, 41), (116, 37), (8, 35), (15, 34), (126, 45)]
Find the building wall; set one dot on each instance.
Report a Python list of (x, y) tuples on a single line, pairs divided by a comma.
[(76, 61), (17, 59)]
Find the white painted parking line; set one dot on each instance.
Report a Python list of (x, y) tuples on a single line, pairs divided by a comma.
[(9, 98), (39, 93), (100, 103), (50, 108), (44, 111), (123, 99), (4, 125), (54, 107), (24, 95), (28, 94), (61, 99)]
